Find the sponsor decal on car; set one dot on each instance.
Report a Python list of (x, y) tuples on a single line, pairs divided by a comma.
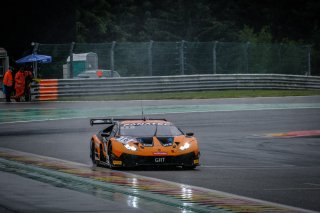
[(159, 160), (117, 162), (145, 124), (160, 153)]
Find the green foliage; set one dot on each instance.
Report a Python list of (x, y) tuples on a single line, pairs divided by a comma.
[(265, 57), (94, 23), (103, 21), (247, 34), (135, 20)]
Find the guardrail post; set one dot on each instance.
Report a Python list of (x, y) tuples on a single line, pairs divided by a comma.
[(150, 58), (309, 61), (214, 59), (182, 57), (71, 59), (112, 57)]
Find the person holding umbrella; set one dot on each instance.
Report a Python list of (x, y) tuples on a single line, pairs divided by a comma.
[(28, 80), (19, 84)]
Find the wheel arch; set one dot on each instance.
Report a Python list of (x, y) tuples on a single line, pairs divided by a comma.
[(96, 145)]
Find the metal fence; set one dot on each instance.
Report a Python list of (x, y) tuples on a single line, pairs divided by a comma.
[(132, 59)]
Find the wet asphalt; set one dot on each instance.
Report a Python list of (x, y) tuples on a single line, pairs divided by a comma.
[(237, 154)]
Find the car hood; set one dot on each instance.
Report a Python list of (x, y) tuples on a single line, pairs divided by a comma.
[(146, 141)]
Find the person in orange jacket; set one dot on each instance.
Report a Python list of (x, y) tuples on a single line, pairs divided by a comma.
[(8, 84), (19, 84)]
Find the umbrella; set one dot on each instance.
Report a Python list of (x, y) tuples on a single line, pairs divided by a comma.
[(35, 58)]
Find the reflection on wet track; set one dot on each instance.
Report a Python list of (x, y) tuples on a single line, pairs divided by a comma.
[(12, 115), (136, 191)]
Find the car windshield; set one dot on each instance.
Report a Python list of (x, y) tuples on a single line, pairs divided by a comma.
[(149, 130)]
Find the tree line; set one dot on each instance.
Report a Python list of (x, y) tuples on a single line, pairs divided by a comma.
[(95, 21)]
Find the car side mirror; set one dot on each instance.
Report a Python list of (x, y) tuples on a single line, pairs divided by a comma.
[(189, 134), (104, 134)]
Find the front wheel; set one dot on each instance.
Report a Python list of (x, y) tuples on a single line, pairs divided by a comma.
[(189, 167), (110, 157)]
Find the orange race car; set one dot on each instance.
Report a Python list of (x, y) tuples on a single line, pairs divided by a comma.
[(144, 142)]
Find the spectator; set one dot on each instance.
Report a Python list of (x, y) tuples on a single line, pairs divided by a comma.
[(8, 84), (28, 80), (19, 84)]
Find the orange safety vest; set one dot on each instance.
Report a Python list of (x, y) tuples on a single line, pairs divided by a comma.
[(8, 79), (20, 83)]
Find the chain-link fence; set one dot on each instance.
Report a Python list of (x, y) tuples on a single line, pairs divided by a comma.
[(173, 58)]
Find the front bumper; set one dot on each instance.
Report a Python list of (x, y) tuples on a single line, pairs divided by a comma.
[(189, 159)]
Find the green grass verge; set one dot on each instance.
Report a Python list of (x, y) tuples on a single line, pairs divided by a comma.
[(197, 95)]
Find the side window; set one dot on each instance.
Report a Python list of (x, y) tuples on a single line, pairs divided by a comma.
[(108, 130)]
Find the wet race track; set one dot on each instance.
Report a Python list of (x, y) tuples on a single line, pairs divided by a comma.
[(257, 155)]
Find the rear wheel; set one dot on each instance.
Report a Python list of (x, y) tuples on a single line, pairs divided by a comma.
[(93, 155), (102, 157)]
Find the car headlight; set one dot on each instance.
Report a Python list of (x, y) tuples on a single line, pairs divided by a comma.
[(184, 146), (130, 147)]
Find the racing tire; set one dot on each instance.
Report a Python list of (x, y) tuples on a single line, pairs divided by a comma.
[(189, 167), (92, 156), (109, 156), (102, 157)]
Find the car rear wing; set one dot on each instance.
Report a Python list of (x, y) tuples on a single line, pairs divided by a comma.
[(99, 121)]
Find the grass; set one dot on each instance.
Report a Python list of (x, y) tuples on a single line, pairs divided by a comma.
[(197, 95)]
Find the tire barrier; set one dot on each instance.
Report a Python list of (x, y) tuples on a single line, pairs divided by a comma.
[(47, 90), (52, 89)]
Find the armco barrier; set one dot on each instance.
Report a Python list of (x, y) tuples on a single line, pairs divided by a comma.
[(53, 89)]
